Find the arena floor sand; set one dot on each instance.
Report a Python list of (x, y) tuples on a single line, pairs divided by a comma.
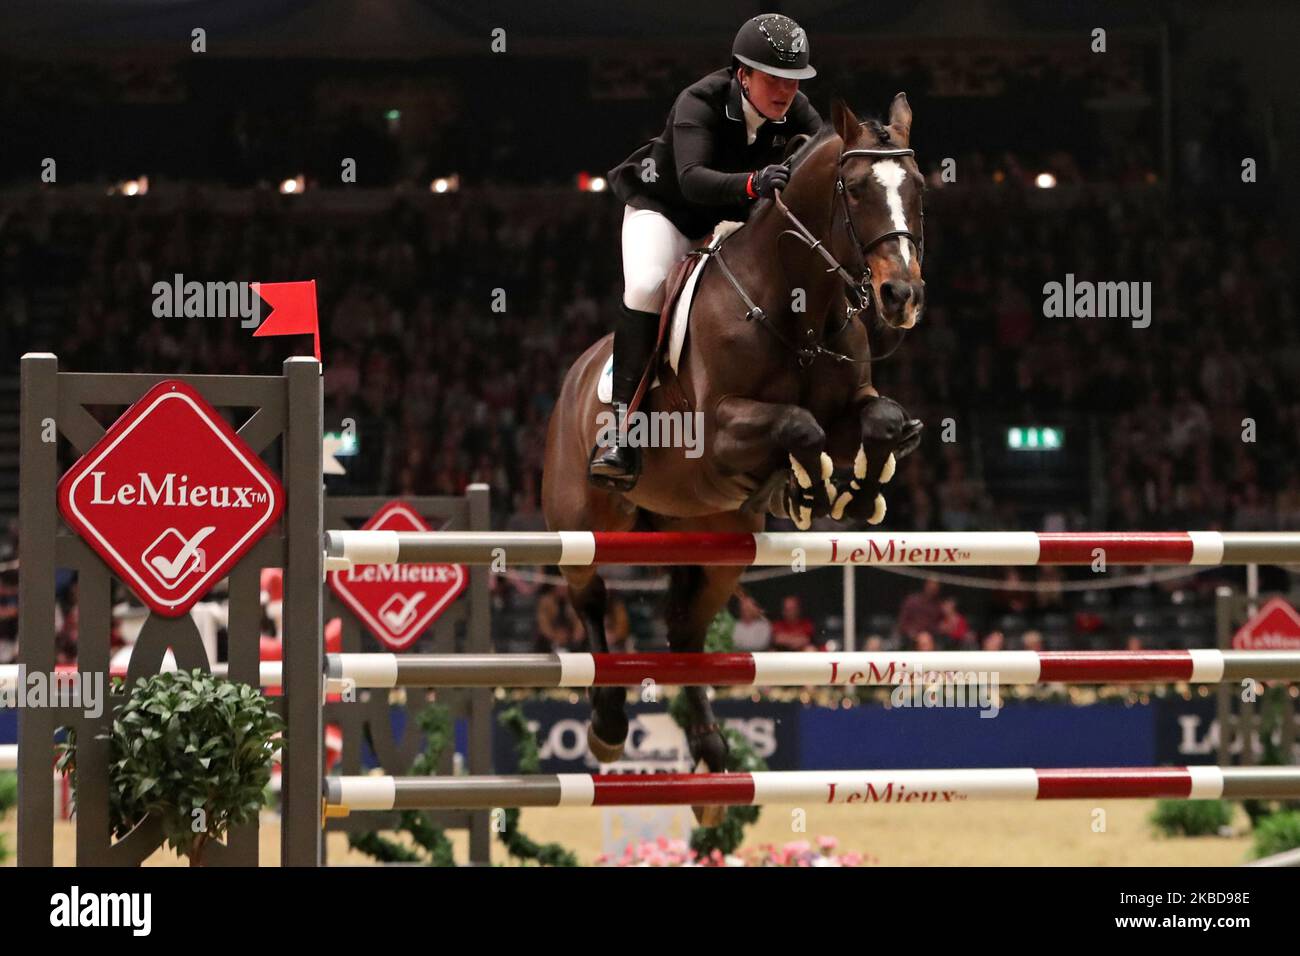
[(984, 834)]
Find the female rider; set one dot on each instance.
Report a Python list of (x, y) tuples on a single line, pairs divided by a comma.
[(719, 152)]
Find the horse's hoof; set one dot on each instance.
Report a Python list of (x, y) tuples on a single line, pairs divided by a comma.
[(709, 816), (603, 752)]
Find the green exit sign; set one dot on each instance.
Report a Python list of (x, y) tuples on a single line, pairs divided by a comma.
[(1035, 438), (347, 442)]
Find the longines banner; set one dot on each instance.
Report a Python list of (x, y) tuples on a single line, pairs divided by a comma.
[(655, 743), (793, 737)]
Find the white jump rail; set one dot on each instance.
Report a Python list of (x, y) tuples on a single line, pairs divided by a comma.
[(829, 668), (812, 549), (810, 787)]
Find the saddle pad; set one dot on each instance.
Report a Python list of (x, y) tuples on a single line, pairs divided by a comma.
[(676, 336)]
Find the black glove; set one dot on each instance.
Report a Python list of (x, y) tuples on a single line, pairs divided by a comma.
[(768, 180)]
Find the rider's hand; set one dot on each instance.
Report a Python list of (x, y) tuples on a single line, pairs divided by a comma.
[(766, 181)]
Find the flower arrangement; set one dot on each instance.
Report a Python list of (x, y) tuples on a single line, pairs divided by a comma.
[(666, 852)]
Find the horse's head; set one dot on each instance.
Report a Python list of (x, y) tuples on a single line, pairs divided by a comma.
[(879, 188)]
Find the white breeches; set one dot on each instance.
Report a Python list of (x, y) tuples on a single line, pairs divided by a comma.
[(651, 245)]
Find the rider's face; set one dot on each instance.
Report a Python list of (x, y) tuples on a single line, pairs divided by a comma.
[(771, 95)]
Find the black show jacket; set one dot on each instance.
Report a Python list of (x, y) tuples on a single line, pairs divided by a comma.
[(701, 161)]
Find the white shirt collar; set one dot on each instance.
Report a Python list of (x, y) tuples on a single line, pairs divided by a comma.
[(753, 119)]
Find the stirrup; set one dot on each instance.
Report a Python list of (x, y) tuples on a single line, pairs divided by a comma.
[(618, 481)]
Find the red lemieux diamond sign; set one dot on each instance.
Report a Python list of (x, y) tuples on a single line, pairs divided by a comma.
[(397, 602), (171, 498), (1276, 627)]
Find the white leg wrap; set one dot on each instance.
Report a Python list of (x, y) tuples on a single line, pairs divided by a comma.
[(878, 515), (859, 472), (802, 516), (828, 469), (888, 471)]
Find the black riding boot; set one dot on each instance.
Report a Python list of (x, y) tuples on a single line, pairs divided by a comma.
[(618, 467)]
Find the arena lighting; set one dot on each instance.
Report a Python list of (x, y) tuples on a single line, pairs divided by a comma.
[(293, 187), (131, 187), (591, 184), (446, 184), (1045, 181), (1035, 438)]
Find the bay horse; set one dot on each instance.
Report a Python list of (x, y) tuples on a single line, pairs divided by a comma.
[(776, 362)]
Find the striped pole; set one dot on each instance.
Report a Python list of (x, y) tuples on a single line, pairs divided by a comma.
[(826, 669), (8, 756), (810, 787), (862, 669), (812, 549)]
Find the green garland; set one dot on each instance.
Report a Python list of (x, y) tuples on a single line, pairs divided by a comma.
[(727, 836), (518, 845), (435, 722), (1274, 704)]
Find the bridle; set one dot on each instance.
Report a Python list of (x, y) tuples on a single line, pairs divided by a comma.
[(861, 292), (842, 192), (861, 288)]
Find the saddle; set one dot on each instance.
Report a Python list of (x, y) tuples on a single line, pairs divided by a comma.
[(661, 366)]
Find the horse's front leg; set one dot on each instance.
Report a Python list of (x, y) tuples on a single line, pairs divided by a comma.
[(883, 433), (751, 436)]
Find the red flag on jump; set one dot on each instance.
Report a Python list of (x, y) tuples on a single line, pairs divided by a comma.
[(293, 310)]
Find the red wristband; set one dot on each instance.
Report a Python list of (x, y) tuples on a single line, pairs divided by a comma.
[(749, 187)]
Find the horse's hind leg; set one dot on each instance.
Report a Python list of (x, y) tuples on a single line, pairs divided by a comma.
[(607, 732), (695, 596)]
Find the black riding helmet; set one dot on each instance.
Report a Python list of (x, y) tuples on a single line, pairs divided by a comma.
[(774, 44)]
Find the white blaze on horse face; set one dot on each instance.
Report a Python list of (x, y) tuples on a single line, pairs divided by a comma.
[(890, 175)]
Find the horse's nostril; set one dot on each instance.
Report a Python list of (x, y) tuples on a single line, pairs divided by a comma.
[(895, 292)]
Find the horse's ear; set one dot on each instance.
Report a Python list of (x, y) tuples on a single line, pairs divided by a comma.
[(900, 119), (842, 118)]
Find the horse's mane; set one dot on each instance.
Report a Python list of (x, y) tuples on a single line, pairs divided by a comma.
[(809, 146), (879, 130), (874, 127)]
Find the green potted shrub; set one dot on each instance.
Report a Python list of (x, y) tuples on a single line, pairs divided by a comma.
[(192, 751)]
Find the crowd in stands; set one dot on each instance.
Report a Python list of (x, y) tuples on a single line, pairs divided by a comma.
[(448, 327)]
